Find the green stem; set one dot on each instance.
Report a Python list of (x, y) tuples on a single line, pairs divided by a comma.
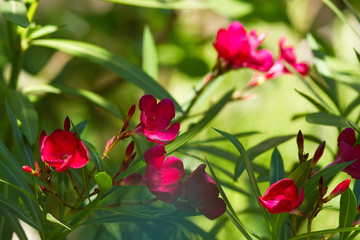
[(74, 184)]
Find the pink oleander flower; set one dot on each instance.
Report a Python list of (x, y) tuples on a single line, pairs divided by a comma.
[(348, 152), (282, 196), (286, 54), (201, 193), (62, 149), (163, 176), (340, 188), (237, 49), (155, 119)]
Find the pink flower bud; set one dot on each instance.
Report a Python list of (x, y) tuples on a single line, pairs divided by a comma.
[(129, 150), (27, 168), (132, 179), (131, 111), (282, 196), (340, 188)]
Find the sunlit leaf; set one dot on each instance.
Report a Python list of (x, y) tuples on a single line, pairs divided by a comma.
[(15, 12), (318, 105), (104, 181), (51, 218), (150, 59), (42, 31), (164, 5), (114, 63), (348, 207), (324, 232)]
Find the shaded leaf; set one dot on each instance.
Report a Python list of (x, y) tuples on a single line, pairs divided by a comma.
[(26, 113), (327, 119), (276, 167), (15, 12), (318, 105), (87, 95), (95, 156), (114, 63), (300, 174), (347, 211)]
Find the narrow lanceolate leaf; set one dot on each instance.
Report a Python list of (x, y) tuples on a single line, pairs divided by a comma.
[(15, 12), (248, 167), (42, 31), (150, 59), (14, 209), (193, 131), (51, 218), (318, 105), (300, 174), (276, 167), (328, 119), (114, 63), (20, 190), (356, 190), (10, 224), (259, 149), (26, 113), (22, 146), (87, 95), (323, 69), (326, 173), (164, 5), (347, 211), (95, 156)]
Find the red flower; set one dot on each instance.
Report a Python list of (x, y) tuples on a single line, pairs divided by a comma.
[(155, 119), (282, 196), (349, 152), (236, 49), (163, 177), (286, 54), (62, 149), (201, 193)]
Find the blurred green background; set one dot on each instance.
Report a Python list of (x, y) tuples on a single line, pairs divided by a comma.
[(185, 53)]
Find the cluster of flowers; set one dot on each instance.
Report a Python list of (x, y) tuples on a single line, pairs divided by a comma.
[(284, 196), (237, 49), (63, 149)]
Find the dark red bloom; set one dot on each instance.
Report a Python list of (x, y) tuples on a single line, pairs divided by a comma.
[(163, 176), (287, 54), (62, 149), (155, 119), (201, 193), (282, 196), (348, 151)]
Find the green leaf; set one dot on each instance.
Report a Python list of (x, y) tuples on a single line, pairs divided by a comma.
[(328, 119), (324, 232), (26, 113), (150, 59), (196, 128), (15, 12), (259, 149), (276, 167), (318, 105), (277, 221), (22, 146), (20, 190), (347, 211), (95, 156), (84, 94), (248, 167), (356, 190), (326, 173), (80, 127), (300, 174), (164, 5), (351, 106), (341, 16), (51, 218), (104, 181), (11, 225), (231, 214), (14, 209), (42, 31), (114, 63)]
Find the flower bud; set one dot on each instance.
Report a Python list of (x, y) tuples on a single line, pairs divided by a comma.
[(132, 179), (129, 150), (67, 124), (300, 142), (28, 169), (319, 152), (339, 189)]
